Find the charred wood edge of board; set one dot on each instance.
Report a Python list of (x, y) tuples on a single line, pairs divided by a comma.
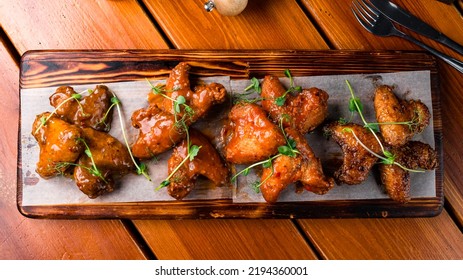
[(55, 68)]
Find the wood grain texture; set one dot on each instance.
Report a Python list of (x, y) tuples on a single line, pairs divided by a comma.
[(22, 238), (338, 23), (225, 239), (78, 24), (342, 30), (259, 26), (58, 25), (67, 24), (420, 238)]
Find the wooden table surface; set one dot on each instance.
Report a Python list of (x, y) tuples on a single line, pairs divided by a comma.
[(265, 24)]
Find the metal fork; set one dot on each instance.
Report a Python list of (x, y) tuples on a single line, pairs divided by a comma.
[(376, 23)]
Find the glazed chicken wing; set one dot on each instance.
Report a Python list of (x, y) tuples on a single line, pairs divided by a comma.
[(59, 144), (163, 123), (304, 168), (111, 159), (304, 111), (157, 132), (200, 99), (390, 109), (251, 136), (207, 163), (357, 161), (91, 111), (412, 155)]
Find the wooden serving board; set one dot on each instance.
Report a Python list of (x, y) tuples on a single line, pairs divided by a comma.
[(41, 69)]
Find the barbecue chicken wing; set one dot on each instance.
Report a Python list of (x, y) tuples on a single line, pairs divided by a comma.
[(357, 161), (304, 168), (412, 155), (304, 111), (390, 109), (158, 132), (250, 136), (90, 111), (111, 159), (207, 163), (200, 99), (59, 144), (163, 123)]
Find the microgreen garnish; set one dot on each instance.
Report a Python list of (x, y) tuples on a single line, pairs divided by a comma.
[(388, 157), (177, 104), (141, 167), (94, 169), (192, 152), (355, 105), (288, 150), (280, 101), (253, 87), (180, 124), (114, 102), (75, 96)]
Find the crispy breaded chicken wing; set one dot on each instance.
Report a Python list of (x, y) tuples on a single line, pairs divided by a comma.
[(357, 161), (304, 111), (59, 144), (110, 157), (207, 163), (163, 123), (92, 110), (390, 109), (250, 136), (412, 155), (304, 168)]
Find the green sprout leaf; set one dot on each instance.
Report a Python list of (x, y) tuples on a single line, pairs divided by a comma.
[(280, 101), (194, 150), (372, 127), (267, 164), (355, 105), (255, 186)]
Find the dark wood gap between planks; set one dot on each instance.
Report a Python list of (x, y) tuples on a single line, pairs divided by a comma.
[(307, 240), (145, 249), (315, 24), (156, 25), (459, 6), (10, 46), (452, 213)]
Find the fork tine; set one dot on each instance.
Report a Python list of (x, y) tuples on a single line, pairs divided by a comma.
[(359, 15), (370, 7), (366, 11)]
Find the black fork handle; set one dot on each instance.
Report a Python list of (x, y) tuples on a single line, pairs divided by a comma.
[(450, 60)]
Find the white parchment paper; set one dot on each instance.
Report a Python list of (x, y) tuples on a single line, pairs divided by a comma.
[(133, 188), (410, 85)]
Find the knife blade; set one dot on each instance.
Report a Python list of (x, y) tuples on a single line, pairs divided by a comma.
[(404, 18)]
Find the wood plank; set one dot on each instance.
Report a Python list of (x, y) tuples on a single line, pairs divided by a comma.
[(342, 29), (225, 239), (259, 26), (22, 238), (337, 22), (56, 19), (78, 25), (67, 24), (419, 238)]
